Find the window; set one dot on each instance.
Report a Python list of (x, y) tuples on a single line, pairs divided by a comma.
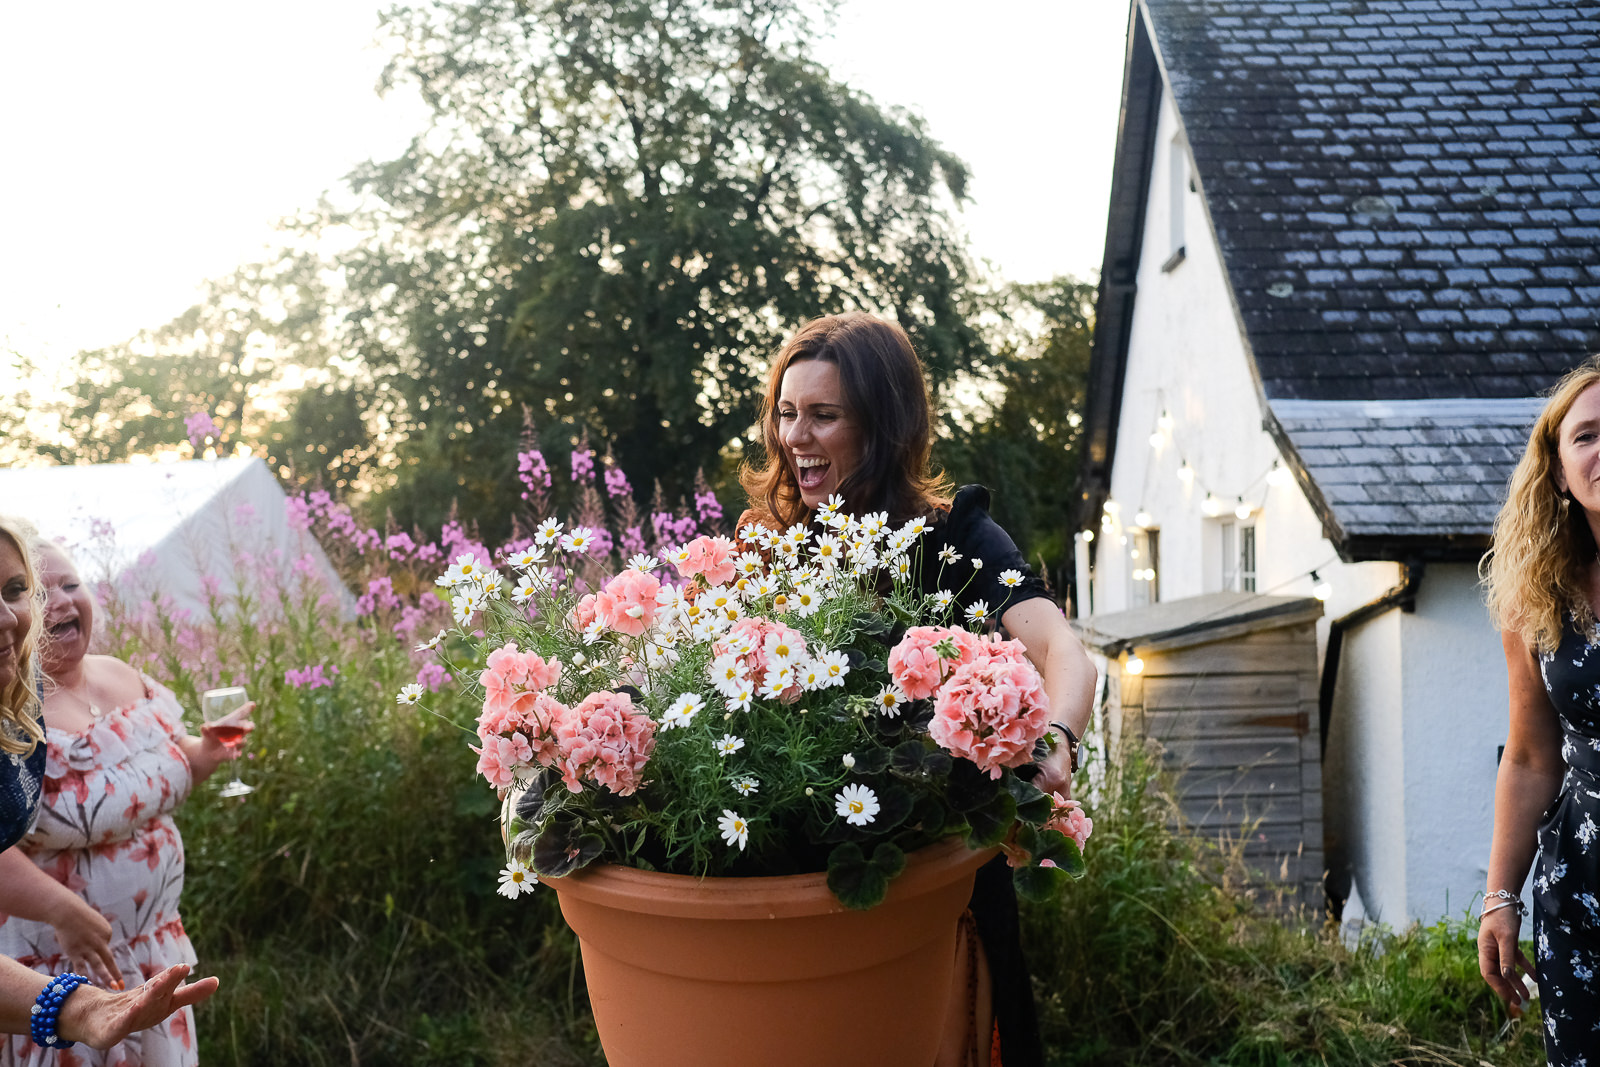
[(1236, 558), (1177, 189), (1144, 571)]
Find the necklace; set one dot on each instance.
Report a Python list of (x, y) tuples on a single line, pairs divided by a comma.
[(93, 708)]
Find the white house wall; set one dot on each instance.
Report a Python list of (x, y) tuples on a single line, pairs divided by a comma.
[(1395, 780)]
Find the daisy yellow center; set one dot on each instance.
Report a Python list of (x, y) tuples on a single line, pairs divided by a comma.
[(855, 807)]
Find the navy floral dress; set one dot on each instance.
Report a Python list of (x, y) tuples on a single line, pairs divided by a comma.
[(1566, 913)]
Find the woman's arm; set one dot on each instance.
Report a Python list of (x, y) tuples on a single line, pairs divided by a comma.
[(1529, 779), (205, 753), (1069, 679), (84, 934), (97, 1018)]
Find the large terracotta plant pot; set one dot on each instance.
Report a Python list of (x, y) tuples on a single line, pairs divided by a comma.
[(769, 971)]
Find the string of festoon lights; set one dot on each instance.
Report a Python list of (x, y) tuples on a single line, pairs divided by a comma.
[(1247, 501)]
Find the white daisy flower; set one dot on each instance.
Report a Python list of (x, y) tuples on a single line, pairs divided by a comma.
[(827, 550), (774, 684), (683, 711), (735, 831), (659, 655), (812, 676), (729, 745), (762, 588), (835, 665), (777, 646), (580, 540), (901, 567), (898, 542), (943, 599), (643, 562), (753, 532), (431, 643), (806, 601), (781, 602), (948, 554), (409, 694), (889, 701), (728, 670), (717, 599), (796, 535), (740, 644), (1011, 579), (830, 506), (680, 555), (529, 557), (523, 591), (915, 528), (977, 563), (746, 785), (548, 531), (705, 628), (873, 522), (594, 632), (978, 612), (465, 605), (857, 803), (741, 697), (669, 597), (849, 761), (747, 564), (451, 577), (516, 880)]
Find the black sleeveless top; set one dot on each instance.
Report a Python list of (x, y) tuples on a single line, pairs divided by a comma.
[(21, 780), (1567, 883)]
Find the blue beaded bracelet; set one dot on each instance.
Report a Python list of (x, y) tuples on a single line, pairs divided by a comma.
[(47, 1010)]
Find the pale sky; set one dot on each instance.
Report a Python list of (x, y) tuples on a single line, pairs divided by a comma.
[(149, 146)]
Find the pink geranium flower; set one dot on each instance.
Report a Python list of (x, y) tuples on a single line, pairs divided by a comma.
[(1069, 817), (991, 711), (605, 740), (711, 557), (628, 602), (927, 654)]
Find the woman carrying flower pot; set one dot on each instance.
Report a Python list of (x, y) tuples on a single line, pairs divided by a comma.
[(56, 1011), (848, 426)]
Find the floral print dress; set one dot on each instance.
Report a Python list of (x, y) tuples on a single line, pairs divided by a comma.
[(1566, 884), (105, 830)]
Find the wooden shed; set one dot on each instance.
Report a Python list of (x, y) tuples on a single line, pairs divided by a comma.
[(1226, 685)]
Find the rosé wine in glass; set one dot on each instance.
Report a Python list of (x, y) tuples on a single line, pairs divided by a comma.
[(215, 704)]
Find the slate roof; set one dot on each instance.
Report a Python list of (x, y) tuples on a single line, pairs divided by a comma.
[(1406, 192), (1406, 195), (1408, 472)]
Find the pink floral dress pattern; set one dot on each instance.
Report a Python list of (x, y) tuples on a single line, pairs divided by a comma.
[(105, 831)]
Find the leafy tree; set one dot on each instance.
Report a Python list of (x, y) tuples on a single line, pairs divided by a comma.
[(618, 211), (1024, 445)]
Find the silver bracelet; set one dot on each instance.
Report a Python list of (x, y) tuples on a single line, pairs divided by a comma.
[(1506, 899)]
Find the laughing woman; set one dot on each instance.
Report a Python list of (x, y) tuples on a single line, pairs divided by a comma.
[(80, 1013), (98, 878), (847, 412)]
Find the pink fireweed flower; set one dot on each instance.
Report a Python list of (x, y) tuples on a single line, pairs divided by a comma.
[(200, 426), (314, 677), (628, 602), (605, 740), (712, 557), (991, 712), (1069, 817), (433, 677)]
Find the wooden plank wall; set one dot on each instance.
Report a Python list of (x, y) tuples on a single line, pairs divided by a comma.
[(1236, 722)]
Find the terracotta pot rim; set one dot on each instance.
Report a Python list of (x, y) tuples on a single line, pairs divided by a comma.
[(759, 897)]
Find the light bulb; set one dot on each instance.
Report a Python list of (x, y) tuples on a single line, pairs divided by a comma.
[(1156, 439), (1134, 555), (1243, 511), (1321, 588), (1142, 518), (1186, 473), (1279, 475), (1088, 535), (1135, 665), (1111, 507), (1211, 505), (1122, 540), (1165, 422)]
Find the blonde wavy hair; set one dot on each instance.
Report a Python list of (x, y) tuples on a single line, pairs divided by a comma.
[(1534, 570), (19, 701)]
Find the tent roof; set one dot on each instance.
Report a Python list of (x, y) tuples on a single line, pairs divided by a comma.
[(121, 510)]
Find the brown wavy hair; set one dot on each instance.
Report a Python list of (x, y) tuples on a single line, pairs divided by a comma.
[(1533, 572), (19, 701), (886, 394)]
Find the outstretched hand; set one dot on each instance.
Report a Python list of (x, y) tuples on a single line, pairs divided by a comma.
[(100, 1019)]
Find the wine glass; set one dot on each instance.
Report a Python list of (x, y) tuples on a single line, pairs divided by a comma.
[(214, 704)]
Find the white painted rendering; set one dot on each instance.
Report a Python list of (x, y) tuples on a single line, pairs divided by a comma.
[(1420, 703)]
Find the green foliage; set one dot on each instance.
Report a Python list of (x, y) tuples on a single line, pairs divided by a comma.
[(1146, 960), (1024, 446)]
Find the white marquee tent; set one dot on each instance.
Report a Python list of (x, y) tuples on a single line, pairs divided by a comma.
[(162, 527)]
